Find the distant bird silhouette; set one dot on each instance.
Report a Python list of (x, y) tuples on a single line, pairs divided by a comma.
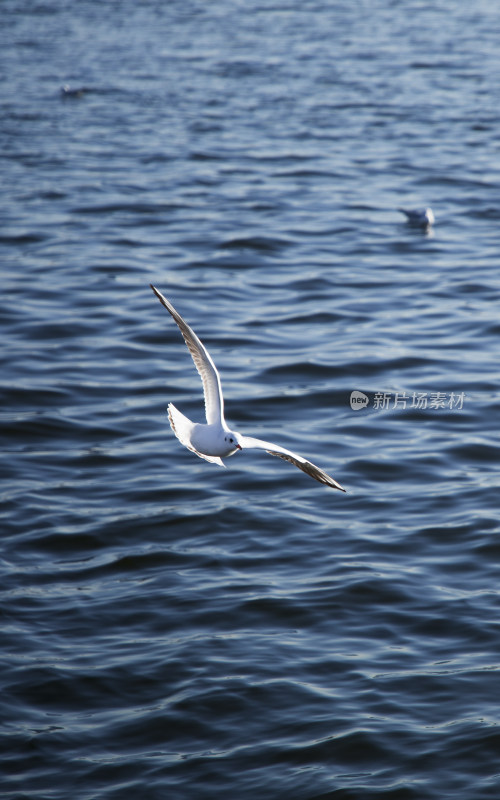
[(68, 91), (420, 218)]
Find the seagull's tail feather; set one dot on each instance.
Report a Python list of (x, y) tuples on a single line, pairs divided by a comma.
[(183, 428)]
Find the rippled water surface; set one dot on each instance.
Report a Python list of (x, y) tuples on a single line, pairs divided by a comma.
[(171, 629)]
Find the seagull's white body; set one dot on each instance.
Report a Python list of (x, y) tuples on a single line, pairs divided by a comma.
[(422, 218), (214, 441)]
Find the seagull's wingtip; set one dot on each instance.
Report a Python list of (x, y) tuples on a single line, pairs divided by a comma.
[(335, 485)]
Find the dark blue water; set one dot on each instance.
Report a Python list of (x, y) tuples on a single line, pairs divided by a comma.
[(171, 629)]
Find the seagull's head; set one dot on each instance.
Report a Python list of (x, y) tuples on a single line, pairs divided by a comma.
[(231, 440)]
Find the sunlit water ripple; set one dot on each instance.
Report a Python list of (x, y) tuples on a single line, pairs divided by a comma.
[(173, 629)]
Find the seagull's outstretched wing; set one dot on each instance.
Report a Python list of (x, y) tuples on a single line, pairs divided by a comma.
[(214, 402), (302, 463)]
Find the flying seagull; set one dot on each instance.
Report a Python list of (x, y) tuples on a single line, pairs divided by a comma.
[(214, 441), (421, 218)]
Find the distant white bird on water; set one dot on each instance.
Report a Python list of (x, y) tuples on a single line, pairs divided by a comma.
[(421, 218), (214, 440)]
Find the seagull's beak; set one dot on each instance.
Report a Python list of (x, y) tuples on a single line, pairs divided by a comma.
[(239, 447)]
